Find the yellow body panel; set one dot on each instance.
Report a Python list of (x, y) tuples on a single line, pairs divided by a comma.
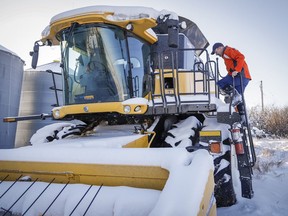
[(95, 174), (188, 82), (98, 108), (206, 207), (139, 25), (139, 143), (211, 133), (213, 211)]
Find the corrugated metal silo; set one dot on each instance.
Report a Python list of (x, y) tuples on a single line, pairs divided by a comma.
[(37, 98), (11, 74)]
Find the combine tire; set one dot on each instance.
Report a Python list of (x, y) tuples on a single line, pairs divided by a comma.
[(185, 133), (224, 189)]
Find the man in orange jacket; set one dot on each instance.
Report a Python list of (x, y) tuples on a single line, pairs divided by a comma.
[(237, 70)]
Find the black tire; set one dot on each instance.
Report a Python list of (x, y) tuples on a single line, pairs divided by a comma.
[(224, 189)]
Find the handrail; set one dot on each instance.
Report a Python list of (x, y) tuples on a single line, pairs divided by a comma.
[(202, 72), (54, 87), (252, 149)]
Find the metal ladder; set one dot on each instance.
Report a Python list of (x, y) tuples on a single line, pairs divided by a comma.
[(247, 160)]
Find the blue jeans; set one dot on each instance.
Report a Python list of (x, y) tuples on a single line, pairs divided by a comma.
[(228, 80)]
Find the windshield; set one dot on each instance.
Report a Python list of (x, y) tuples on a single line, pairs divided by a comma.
[(98, 66)]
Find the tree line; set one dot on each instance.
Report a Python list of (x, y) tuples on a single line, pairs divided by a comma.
[(272, 120)]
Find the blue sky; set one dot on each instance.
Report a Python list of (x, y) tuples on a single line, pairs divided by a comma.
[(257, 28)]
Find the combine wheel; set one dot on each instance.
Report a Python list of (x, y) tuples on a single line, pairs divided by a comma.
[(56, 131), (186, 133), (224, 189)]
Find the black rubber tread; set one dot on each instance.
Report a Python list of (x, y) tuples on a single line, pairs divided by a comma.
[(224, 190)]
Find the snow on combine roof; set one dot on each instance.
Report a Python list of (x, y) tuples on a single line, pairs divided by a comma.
[(119, 13), (110, 14), (145, 21)]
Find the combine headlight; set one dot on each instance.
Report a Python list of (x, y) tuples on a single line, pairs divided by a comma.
[(86, 109), (129, 27), (127, 109), (56, 114)]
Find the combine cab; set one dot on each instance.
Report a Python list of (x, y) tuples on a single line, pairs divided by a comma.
[(142, 88)]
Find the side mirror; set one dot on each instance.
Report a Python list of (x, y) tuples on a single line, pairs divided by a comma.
[(173, 33), (35, 54)]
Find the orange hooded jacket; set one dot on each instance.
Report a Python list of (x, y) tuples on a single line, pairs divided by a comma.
[(234, 61)]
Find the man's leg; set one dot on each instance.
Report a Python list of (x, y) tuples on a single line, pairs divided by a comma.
[(225, 81), (226, 85)]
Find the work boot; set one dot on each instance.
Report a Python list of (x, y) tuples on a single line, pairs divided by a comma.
[(241, 111), (227, 99), (237, 99), (234, 95)]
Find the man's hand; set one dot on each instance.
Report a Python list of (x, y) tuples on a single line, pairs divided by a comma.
[(234, 73)]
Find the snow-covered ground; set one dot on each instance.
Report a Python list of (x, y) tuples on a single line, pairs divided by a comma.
[(270, 183)]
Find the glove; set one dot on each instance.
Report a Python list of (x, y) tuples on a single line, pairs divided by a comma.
[(234, 73)]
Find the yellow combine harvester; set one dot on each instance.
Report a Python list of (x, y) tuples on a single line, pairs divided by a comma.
[(150, 117)]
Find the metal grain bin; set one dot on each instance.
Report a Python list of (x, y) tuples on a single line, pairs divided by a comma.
[(11, 74), (37, 98)]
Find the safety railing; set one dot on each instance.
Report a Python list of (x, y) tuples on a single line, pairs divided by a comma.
[(54, 87), (182, 82)]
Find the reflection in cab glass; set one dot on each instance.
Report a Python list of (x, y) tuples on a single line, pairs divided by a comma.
[(102, 64)]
